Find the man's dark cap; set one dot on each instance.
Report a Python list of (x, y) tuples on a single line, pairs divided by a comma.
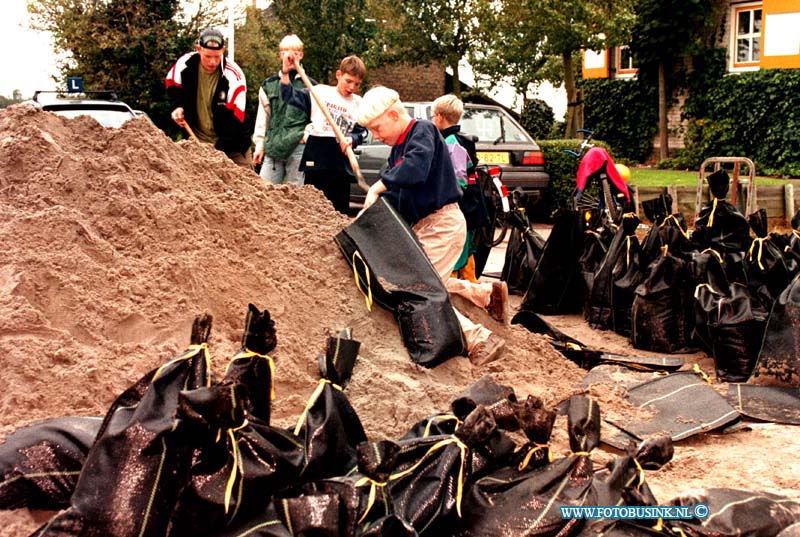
[(211, 38)]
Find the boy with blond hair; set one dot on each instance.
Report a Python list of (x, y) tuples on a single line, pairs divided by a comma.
[(446, 113), (279, 129), (421, 185)]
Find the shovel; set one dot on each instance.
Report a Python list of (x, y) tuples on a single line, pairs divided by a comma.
[(351, 156)]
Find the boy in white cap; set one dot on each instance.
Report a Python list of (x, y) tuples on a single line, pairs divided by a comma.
[(421, 185)]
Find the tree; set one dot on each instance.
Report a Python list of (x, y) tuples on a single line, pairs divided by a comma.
[(511, 49), (665, 32), (124, 45), (558, 30), (425, 31), (330, 30)]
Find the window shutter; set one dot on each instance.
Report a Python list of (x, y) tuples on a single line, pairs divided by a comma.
[(781, 34), (595, 64)]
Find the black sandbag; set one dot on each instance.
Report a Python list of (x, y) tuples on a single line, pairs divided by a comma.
[(430, 480), (525, 500), (622, 483), (735, 329), (720, 225), (656, 211), (597, 239), (136, 468), (392, 268), (339, 359), (608, 307), (778, 362), (330, 430), (767, 275), (524, 249), (733, 513), (241, 460), (266, 523), (40, 463), (660, 313), (556, 286), (487, 392)]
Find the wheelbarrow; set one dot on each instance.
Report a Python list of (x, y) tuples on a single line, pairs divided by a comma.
[(750, 197)]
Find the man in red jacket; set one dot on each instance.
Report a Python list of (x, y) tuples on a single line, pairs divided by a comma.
[(208, 95)]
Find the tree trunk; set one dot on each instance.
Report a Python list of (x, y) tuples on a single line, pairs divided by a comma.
[(572, 108), (456, 80), (663, 128)]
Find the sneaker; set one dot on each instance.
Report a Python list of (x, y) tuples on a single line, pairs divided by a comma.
[(498, 302), (488, 351)]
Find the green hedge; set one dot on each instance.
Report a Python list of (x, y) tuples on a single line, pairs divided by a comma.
[(624, 113), (753, 114), (562, 168)]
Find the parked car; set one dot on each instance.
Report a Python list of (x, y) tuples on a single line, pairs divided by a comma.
[(501, 141), (103, 106)]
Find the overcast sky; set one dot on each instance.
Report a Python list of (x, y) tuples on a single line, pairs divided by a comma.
[(27, 62)]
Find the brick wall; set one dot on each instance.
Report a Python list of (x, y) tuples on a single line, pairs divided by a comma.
[(413, 83)]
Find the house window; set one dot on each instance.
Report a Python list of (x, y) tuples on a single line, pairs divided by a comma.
[(747, 36), (626, 65)]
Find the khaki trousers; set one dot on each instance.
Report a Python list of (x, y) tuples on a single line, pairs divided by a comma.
[(442, 235)]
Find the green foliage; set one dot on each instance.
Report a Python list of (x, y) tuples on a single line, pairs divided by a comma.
[(330, 31), (424, 31), (753, 114), (5, 102), (562, 168), (624, 113), (124, 45), (537, 118)]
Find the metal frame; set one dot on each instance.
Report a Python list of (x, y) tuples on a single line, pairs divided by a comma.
[(734, 190)]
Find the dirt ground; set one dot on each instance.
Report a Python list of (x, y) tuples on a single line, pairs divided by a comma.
[(113, 240)]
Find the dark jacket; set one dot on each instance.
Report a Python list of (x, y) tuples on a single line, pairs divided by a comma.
[(286, 122), (227, 107), (420, 178)]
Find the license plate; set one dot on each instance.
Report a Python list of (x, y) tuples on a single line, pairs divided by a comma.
[(493, 157)]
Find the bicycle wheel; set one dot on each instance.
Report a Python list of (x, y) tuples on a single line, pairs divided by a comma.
[(499, 222), (612, 205)]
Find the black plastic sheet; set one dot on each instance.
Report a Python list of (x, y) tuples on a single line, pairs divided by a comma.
[(733, 513)]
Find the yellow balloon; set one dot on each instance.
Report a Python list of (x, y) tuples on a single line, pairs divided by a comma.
[(624, 172)]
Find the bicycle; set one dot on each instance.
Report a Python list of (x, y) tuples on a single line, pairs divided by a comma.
[(498, 206), (594, 170)]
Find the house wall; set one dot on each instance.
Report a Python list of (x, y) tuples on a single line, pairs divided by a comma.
[(413, 83)]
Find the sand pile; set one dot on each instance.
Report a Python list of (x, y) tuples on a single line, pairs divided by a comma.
[(113, 240)]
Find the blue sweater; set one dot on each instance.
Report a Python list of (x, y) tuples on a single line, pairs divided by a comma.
[(420, 178)]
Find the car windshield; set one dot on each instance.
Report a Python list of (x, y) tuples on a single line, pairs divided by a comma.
[(491, 125), (114, 117)]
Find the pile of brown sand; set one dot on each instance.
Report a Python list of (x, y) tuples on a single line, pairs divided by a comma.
[(113, 240)]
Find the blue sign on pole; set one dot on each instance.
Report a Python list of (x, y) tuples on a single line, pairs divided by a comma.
[(75, 84)]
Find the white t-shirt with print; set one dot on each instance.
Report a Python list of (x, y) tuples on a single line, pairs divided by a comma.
[(344, 111)]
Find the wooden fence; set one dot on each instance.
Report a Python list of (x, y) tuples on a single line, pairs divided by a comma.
[(780, 201)]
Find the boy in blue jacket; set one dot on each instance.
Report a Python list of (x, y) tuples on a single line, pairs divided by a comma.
[(421, 185)]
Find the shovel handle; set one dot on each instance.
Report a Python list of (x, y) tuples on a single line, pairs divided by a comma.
[(190, 131), (351, 156)]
